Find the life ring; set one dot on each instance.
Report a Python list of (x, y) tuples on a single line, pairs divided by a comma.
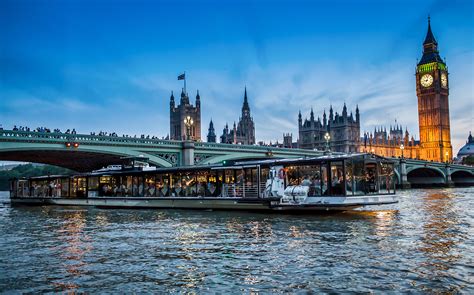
[(281, 173)]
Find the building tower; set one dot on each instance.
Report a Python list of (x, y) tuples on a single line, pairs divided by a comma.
[(179, 113), (244, 131), (211, 135), (432, 89)]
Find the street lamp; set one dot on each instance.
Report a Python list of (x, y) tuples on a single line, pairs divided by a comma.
[(447, 157), (188, 122), (327, 137), (402, 147)]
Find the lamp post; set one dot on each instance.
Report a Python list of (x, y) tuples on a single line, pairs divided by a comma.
[(447, 157), (327, 137), (402, 147), (188, 122)]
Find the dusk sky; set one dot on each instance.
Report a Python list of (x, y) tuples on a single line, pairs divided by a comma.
[(111, 65)]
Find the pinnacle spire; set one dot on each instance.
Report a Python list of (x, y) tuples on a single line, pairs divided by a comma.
[(430, 39), (246, 106)]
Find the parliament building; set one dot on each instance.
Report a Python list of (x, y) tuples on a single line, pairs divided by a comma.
[(432, 90)]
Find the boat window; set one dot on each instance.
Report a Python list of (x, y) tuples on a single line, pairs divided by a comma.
[(264, 175), (201, 183), (324, 179), (188, 182), (78, 187), (250, 185), (149, 189), (311, 176), (350, 182), (229, 176), (21, 188), (214, 183), (162, 185), (65, 187), (337, 178), (386, 178), (371, 178), (137, 186), (93, 183), (126, 186), (106, 184), (359, 177)]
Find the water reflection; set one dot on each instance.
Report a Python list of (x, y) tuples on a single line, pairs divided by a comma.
[(73, 246), (441, 234)]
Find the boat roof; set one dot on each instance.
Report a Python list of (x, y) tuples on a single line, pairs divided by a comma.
[(239, 164)]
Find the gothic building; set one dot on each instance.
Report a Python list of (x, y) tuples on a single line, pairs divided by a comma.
[(244, 131), (432, 89), (344, 131), (178, 130)]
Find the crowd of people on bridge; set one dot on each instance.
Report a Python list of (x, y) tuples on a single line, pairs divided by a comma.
[(73, 132)]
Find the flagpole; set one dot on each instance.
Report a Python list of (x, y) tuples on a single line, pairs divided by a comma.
[(185, 82)]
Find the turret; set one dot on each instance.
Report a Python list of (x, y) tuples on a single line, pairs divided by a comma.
[(325, 121), (211, 135), (344, 111), (184, 97), (331, 115), (172, 104), (198, 101), (300, 119), (311, 118), (357, 114)]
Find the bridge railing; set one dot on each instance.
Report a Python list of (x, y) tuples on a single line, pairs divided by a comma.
[(84, 138), (65, 137)]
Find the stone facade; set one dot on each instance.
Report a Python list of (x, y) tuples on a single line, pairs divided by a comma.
[(244, 131), (343, 129), (180, 112), (388, 143)]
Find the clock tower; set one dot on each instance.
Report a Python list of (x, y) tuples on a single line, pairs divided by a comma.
[(432, 89)]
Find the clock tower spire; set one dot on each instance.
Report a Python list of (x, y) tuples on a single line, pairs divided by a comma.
[(432, 90)]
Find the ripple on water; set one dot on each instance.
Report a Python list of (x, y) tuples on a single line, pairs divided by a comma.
[(422, 244)]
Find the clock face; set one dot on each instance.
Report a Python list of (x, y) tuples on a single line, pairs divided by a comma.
[(444, 80), (426, 80)]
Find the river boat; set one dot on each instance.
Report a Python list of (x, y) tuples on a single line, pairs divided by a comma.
[(329, 182)]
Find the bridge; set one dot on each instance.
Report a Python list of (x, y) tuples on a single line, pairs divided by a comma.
[(84, 153)]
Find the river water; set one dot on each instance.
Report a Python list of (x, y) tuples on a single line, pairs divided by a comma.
[(423, 244)]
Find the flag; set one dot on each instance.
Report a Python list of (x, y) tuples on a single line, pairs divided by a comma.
[(181, 77)]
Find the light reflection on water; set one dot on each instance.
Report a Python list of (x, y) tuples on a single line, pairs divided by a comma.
[(422, 244)]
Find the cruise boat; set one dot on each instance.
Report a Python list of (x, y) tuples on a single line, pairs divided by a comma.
[(330, 183)]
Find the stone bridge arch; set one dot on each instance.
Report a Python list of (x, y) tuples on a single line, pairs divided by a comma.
[(80, 160), (462, 178), (426, 176)]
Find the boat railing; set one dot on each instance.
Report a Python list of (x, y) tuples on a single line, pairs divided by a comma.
[(240, 190)]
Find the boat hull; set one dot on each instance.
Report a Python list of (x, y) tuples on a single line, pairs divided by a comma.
[(246, 204)]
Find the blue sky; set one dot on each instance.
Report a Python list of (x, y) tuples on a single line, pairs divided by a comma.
[(111, 65)]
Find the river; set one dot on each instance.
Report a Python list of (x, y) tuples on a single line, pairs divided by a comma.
[(423, 244)]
